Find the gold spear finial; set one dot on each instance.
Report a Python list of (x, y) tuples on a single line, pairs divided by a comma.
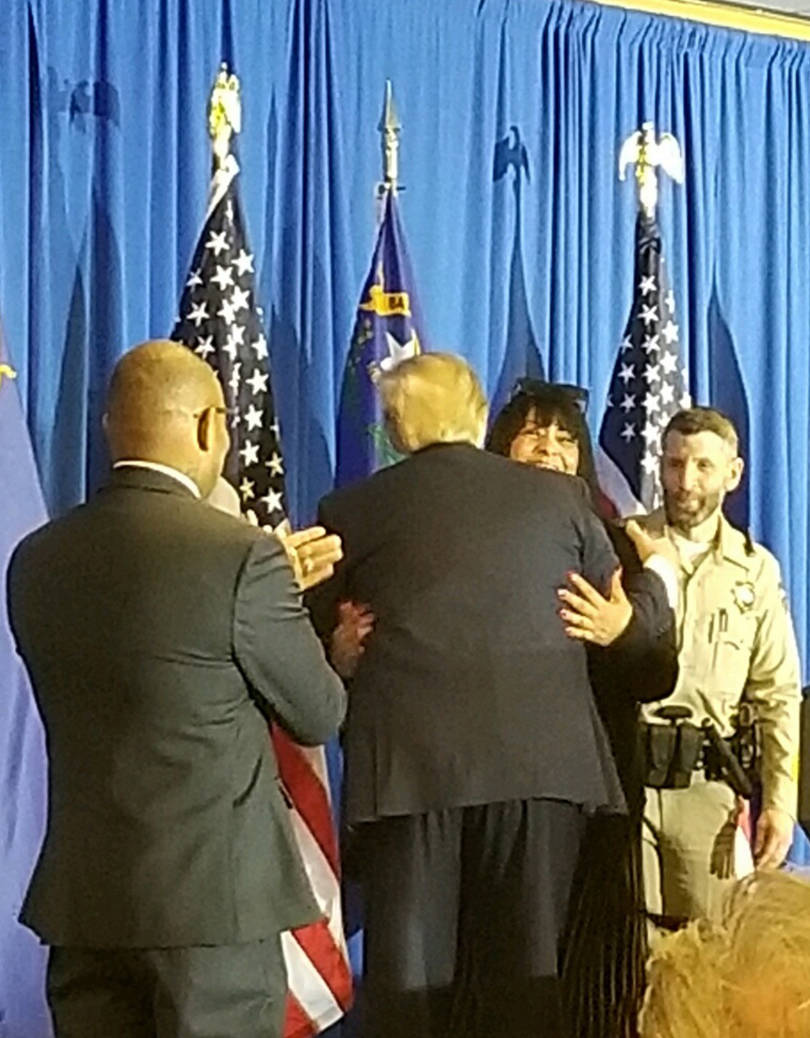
[(389, 128), (224, 113), (642, 149)]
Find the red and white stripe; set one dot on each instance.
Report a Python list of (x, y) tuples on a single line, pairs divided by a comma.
[(318, 974)]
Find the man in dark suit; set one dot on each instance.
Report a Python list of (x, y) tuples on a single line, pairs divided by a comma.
[(160, 634), (473, 745)]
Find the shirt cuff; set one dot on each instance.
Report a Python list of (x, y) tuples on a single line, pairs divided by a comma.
[(666, 571)]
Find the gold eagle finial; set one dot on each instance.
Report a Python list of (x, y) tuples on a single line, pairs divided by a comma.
[(224, 113)]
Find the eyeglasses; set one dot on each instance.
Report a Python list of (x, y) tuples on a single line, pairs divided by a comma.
[(538, 389), (228, 411)]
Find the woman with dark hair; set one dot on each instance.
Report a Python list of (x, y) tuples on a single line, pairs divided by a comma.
[(544, 425)]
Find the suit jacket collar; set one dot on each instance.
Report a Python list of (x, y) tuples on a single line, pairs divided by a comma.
[(132, 478)]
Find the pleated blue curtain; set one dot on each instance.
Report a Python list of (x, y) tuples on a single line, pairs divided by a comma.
[(519, 230)]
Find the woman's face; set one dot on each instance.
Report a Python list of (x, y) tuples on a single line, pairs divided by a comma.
[(547, 446)]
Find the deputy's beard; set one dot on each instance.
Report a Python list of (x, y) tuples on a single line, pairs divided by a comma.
[(685, 511)]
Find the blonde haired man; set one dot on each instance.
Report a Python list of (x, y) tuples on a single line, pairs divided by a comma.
[(743, 976), (433, 398), (473, 746)]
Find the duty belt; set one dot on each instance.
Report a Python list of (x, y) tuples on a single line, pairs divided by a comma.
[(672, 752)]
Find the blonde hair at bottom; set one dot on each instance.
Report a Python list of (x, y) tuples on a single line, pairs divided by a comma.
[(743, 977)]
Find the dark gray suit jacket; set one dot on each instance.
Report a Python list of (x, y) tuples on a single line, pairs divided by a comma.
[(157, 632), (469, 691)]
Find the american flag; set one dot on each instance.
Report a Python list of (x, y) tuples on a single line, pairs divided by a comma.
[(221, 321), (648, 384)]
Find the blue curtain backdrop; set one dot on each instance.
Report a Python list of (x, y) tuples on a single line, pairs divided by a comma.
[(521, 236)]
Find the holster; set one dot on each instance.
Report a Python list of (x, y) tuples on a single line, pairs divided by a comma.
[(671, 754)]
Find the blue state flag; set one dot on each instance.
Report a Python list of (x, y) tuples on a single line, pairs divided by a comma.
[(23, 1012), (387, 330)]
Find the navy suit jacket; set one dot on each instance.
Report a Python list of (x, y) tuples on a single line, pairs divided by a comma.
[(469, 691)]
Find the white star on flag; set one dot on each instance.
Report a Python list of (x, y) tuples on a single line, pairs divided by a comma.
[(253, 418), (249, 453), (649, 314), (205, 345), (258, 384), (226, 311), (276, 465), (628, 432), (628, 403), (194, 279), (223, 277), (650, 344), (229, 346), (627, 344), (260, 347), (627, 373), (667, 393), (218, 242), (243, 262), (649, 463), (647, 285), (236, 377), (670, 332), (198, 313), (246, 488), (239, 299), (398, 351), (651, 402), (651, 374), (669, 362), (272, 499)]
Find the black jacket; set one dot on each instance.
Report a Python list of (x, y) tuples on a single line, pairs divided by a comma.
[(469, 691), (157, 631)]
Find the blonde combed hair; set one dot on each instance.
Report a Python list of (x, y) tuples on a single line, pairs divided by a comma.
[(744, 977), (433, 398)]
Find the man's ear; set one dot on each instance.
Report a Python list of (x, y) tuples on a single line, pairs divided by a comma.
[(205, 429), (735, 473)]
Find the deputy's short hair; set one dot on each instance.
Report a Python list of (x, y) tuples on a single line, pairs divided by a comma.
[(432, 398), (703, 419), (740, 977)]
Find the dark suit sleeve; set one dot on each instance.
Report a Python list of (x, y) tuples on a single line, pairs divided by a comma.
[(278, 651), (599, 560)]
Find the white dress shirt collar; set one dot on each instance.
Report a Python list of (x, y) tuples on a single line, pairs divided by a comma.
[(167, 470)]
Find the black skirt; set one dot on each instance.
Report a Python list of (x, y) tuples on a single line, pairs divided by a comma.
[(606, 944)]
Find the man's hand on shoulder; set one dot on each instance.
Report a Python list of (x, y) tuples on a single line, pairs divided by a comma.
[(647, 545), (313, 554)]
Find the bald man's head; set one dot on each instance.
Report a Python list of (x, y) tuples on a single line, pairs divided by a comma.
[(166, 405)]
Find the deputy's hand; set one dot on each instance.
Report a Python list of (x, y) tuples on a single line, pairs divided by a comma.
[(591, 617), (773, 839), (355, 623), (313, 554), (647, 545)]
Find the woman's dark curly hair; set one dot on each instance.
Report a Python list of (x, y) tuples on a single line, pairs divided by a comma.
[(548, 403)]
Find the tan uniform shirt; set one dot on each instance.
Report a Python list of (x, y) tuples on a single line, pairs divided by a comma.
[(736, 640)]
